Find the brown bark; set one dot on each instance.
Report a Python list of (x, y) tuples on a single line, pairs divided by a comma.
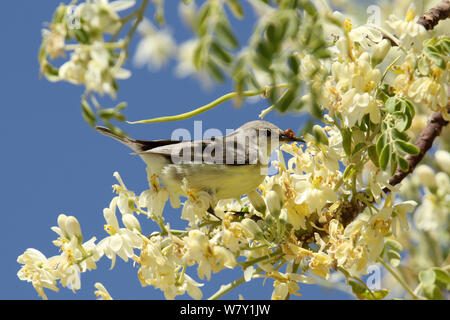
[(431, 18)]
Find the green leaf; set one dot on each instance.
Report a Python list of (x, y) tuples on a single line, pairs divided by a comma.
[(394, 258), (399, 135), (423, 66), (381, 142), (203, 14), (432, 292), (349, 171), (225, 35), (394, 163), (409, 108), (357, 288), (358, 147), (392, 104), (220, 53), (264, 49), (293, 63), (402, 121), (438, 60), (395, 245), (236, 8), (320, 135), (373, 155), (81, 36), (384, 156), (271, 34), (404, 165), (88, 114), (427, 277), (286, 99), (442, 276), (347, 141), (214, 70), (375, 295), (406, 147), (121, 105), (198, 56)]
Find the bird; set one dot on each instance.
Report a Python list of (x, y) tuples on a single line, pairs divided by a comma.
[(226, 167)]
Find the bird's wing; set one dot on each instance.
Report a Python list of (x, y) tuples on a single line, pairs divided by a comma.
[(220, 150)]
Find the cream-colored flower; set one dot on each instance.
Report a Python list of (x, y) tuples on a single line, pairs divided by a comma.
[(155, 47), (91, 65), (196, 206), (100, 16), (410, 33), (314, 192), (208, 255), (399, 219), (430, 91), (101, 292), (38, 270), (120, 241), (443, 160)]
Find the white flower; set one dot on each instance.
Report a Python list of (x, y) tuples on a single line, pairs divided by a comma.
[(429, 216), (208, 255), (155, 47), (100, 16), (443, 160), (38, 270), (365, 36), (101, 292), (196, 206), (121, 241), (90, 65), (431, 91), (426, 176), (160, 268), (399, 215), (410, 33), (154, 200), (377, 181), (312, 191), (54, 41)]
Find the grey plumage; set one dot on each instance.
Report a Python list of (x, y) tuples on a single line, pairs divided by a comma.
[(227, 166)]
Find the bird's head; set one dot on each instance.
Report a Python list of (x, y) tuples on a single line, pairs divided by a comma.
[(268, 134)]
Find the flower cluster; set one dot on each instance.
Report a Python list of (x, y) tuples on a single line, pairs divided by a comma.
[(93, 61), (330, 206)]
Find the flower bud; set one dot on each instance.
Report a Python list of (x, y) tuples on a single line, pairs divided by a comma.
[(257, 201), (320, 135), (273, 203), (252, 227), (131, 222), (284, 216), (426, 176), (73, 228), (62, 224), (443, 183), (443, 160), (278, 189), (380, 51)]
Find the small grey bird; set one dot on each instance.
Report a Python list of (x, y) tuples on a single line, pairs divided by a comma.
[(226, 167)]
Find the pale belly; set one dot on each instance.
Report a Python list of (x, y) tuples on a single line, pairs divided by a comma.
[(222, 180)]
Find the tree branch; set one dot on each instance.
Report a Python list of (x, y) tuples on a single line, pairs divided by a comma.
[(425, 141), (431, 18)]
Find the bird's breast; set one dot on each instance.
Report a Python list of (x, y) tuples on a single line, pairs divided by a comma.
[(224, 181)]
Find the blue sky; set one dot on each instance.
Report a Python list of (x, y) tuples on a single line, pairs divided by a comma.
[(52, 162)]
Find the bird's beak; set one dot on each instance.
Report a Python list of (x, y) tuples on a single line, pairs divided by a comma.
[(289, 136)]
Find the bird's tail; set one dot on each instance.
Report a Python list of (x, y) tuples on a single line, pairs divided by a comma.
[(125, 140)]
